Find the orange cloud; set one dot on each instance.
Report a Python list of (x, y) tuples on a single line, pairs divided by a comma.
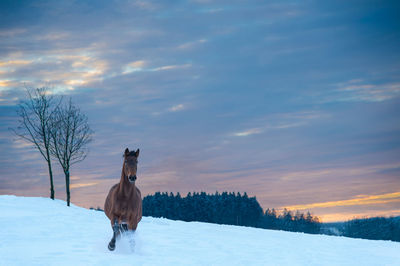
[(83, 185), (14, 62), (360, 200), (334, 217)]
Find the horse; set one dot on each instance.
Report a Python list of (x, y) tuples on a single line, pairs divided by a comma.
[(123, 205)]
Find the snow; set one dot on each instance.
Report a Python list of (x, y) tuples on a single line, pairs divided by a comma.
[(40, 231)]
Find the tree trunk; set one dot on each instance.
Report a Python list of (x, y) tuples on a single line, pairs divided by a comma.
[(51, 176), (51, 181), (67, 186)]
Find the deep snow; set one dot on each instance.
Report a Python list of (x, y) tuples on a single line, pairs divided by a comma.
[(40, 231)]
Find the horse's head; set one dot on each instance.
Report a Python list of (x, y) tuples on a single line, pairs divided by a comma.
[(130, 164)]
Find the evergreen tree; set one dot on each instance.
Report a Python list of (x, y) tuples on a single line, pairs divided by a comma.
[(226, 208)]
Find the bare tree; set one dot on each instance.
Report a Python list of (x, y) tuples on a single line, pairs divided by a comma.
[(34, 123), (70, 134)]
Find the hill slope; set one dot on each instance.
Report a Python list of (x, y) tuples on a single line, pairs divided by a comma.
[(39, 231)]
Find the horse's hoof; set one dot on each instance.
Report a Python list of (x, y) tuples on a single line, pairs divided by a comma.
[(111, 246)]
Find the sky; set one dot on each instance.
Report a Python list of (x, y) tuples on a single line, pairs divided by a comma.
[(294, 102)]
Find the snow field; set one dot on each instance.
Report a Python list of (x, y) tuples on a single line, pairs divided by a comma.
[(40, 231)]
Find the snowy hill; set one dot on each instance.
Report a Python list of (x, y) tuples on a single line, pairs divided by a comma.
[(39, 231)]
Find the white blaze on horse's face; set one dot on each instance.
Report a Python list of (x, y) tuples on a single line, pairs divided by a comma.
[(130, 165)]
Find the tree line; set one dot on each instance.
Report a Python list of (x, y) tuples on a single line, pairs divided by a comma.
[(375, 228), (56, 128), (240, 209), (226, 208), (291, 221)]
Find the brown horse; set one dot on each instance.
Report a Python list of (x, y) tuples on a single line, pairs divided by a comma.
[(123, 204)]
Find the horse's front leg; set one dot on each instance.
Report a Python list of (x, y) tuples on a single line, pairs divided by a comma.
[(115, 227), (132, 223), (123, 224)]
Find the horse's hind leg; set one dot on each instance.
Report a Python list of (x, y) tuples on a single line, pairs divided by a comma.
[(111, 245), (123, 227)]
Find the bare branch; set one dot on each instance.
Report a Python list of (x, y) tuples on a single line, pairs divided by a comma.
[(34, 113), (70, 134)]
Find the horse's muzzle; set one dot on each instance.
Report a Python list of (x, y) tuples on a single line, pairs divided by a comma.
[(132, 178)]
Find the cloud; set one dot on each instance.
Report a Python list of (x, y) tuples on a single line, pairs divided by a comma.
[(80, 185), (280, 121), (139, 66), (331, 172), (11, 63), (134, 67), (360, 200), (191, 45), (64, 71), (176, 108), (343, 216), (372, 92), (356, 90), (22, 144), (247, 132), (169, 67), (173, 109), (6, 84), (54, 36), (12, 32)]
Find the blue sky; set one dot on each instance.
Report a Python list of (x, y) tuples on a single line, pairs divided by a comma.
[(295, 102)]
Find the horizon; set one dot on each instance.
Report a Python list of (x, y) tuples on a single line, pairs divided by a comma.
[(323, 219), (295, 103)]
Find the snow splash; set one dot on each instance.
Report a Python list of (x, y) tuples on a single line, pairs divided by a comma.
[(126, 243)]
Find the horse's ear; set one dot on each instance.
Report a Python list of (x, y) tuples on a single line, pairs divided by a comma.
[(126, 152), (137, 153)]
